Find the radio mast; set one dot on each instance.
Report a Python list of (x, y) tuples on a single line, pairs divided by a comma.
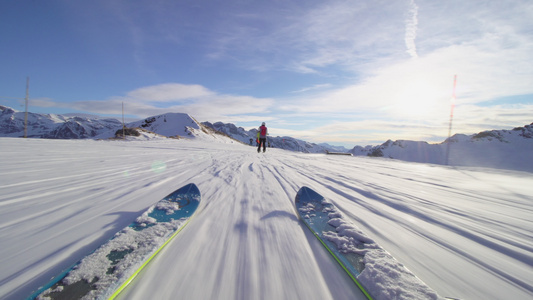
[(26, 113)]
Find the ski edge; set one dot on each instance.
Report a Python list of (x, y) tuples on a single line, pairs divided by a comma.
[(54, 280), (359, 285), (132, 277)]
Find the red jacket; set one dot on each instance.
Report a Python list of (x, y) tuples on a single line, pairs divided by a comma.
[(263, 131)]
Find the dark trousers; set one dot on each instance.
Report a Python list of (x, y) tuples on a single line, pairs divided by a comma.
[(262, 141)]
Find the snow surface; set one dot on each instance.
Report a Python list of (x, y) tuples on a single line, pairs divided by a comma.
[(466, 232)]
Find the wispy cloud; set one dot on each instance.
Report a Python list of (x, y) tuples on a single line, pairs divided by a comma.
[(314, 36), (313, 88), (410, 29)]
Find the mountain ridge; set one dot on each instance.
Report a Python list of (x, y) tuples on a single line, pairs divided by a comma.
[(503, 149), (52, 126)]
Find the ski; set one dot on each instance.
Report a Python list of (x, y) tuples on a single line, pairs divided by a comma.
[(314, 211), (109, 269), (361, 257)]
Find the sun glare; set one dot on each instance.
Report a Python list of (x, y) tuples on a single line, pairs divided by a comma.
[(417, 100)]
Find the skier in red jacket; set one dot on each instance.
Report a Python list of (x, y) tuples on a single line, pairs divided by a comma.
[(263, 132)]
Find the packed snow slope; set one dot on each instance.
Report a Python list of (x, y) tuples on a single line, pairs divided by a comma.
[(467, 233)]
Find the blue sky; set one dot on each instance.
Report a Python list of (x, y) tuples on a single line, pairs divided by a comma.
[(343, 72)]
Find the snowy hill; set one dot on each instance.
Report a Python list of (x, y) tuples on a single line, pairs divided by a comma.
[(179, 125), (503, 149), (53, 126), (286, 143), (169, 124)]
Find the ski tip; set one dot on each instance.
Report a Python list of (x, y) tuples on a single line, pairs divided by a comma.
[(190, 188), (307, 194)]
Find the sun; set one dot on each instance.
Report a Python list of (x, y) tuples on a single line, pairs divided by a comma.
[(417, 100)]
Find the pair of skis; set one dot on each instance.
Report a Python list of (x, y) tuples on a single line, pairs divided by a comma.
[(110, 268)]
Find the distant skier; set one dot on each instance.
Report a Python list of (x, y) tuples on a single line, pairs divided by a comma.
[(263, 132)]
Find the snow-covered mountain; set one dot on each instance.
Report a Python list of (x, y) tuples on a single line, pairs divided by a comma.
[(180, 125), (235, 132), (285, 142), (83, 126), (53, 126), (172, 125), (77, 126), (504, 149), (169, 124)]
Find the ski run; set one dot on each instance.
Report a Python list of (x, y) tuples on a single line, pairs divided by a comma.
[(465, 232)]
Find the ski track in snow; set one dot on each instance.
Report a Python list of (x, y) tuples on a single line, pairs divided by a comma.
[(466, 232)]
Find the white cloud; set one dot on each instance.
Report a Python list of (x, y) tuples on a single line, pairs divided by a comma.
[(42, 102), (195, 100), (487, 69), (375, 129), (470, 119), (169, 92)]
